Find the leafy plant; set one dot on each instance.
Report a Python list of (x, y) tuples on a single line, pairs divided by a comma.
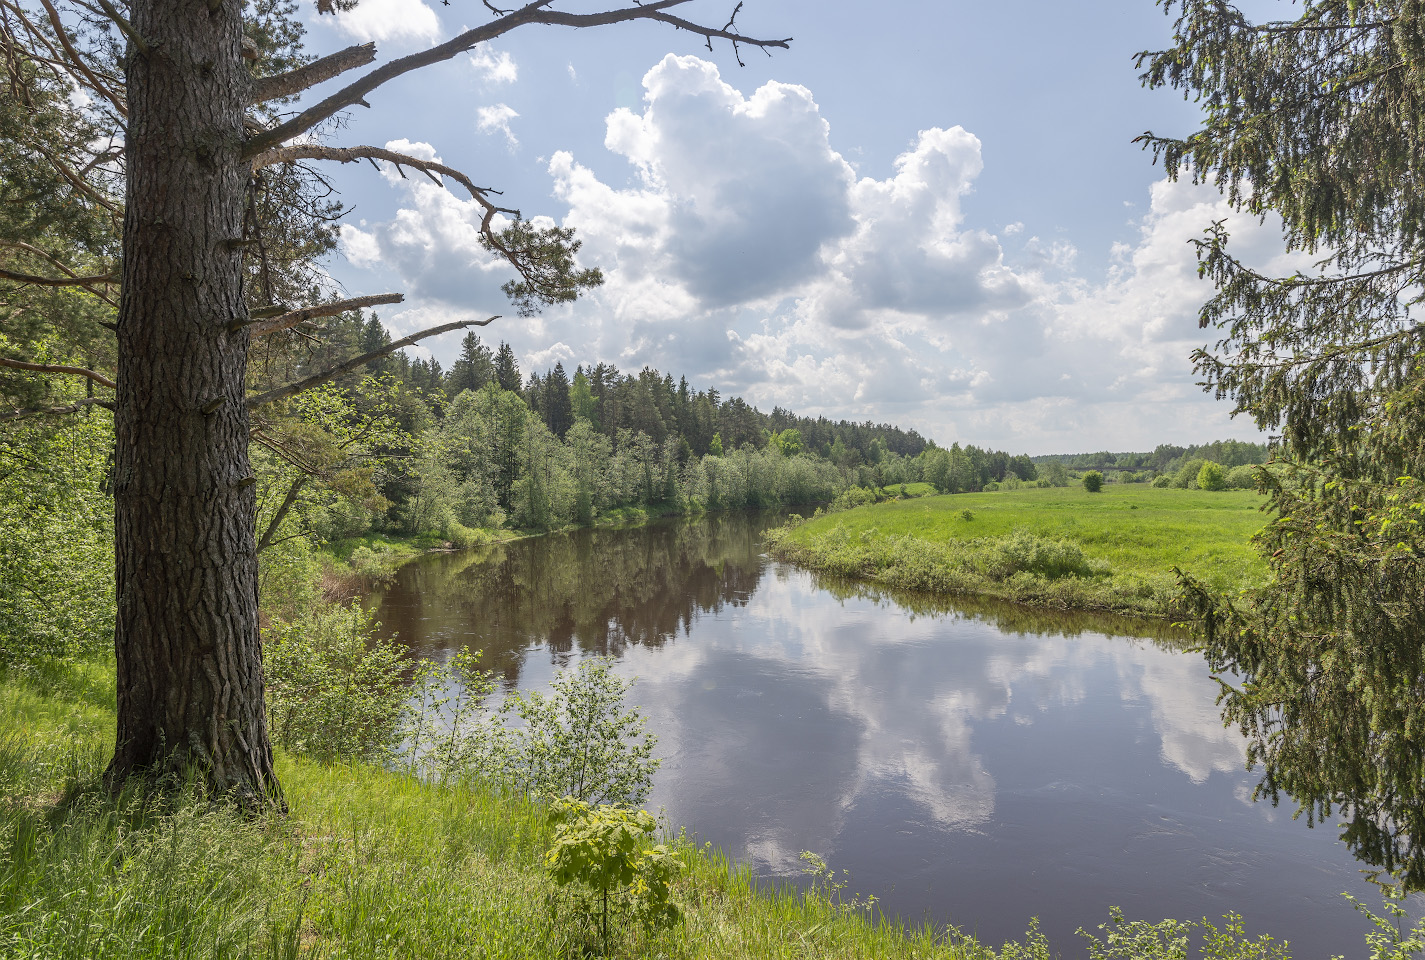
[(826, 884), (1138, 939), (581, 740), (332, 691), (604, 849), (1093, 481), (1211, 476)]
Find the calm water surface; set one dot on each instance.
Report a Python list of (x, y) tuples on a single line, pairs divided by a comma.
[(971, 764)]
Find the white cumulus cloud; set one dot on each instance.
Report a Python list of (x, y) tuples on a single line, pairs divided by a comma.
[(745, 252), (404, 22), (494, 66), (496, 119)]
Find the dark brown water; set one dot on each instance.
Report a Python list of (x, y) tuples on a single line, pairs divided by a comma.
[(976, 764)]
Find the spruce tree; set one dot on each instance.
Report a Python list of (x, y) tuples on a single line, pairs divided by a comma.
[(507, 371), (558, 411), (1318, 121)]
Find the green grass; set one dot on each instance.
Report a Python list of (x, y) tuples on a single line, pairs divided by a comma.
[(369, 863), (1113, 550), (917, 489)]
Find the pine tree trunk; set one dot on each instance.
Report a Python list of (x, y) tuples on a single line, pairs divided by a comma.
[(190, 688)]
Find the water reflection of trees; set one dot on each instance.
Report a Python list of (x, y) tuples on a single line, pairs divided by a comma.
[(1006, 616), (594, 591)]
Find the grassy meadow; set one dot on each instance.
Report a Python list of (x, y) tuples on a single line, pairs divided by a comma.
[(1113, 550)]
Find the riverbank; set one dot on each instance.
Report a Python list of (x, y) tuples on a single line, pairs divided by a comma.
[(1061, 547), (368, 863)]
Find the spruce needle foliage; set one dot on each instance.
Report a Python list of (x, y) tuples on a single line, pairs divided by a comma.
[(1317, 121)]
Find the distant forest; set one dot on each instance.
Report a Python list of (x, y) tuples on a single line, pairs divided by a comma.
[(409, 448), (1166, 458)]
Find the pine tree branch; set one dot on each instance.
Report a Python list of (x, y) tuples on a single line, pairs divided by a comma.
[(292, 389), (93, 81), (261, 327), (355, 93), (318, 71), (54, 281), (98, 378), (296, 488), (432, 169), (71, 408), (54, 261)]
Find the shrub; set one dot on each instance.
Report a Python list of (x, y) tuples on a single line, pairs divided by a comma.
[(580, 740), (1162, 481), (56, 542), (1211, 477), (1093, 481), (1023, 552), (1186, 477), (1242, 478), (605, 850), (333, 691)]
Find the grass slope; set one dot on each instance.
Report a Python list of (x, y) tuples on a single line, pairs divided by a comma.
[(369, 863), (1113, 550)]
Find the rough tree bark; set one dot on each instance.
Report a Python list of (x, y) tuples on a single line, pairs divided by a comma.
[(190, 688)]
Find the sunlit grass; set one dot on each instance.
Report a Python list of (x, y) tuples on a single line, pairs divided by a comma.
[(1136, 535), (368, 863)]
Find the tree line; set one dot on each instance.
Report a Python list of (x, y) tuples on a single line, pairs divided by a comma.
[(410, 448)]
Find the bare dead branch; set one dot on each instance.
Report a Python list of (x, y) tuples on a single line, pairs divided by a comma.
[(76, 180), (98, 378), (261, 328), (292, 389), (74, 407), (355, 93), (318, 71), (112, 12)]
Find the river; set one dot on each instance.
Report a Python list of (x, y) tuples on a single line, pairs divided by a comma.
[(967, 763)]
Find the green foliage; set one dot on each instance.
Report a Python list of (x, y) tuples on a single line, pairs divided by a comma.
[(333, 691), (544, 259), (581, 740), (828, 886), (605, 850), (1055, 473), (1315, 123), (1138, 940), (56, 540), (1211, 477), (1093, 481), (1242, 478)]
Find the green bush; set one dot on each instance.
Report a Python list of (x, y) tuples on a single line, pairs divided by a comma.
[(1186, 477), (1211, 477), (1093, 481), (1162, 481), (580, 740), (1023, 552), (333, 691), (56, 542), (1242, 478)]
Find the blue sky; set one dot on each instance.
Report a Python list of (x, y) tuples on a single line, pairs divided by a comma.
[(924, 213)]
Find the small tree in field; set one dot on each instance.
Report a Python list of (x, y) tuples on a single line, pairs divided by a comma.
[(1211, 476), (1093, 481)]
